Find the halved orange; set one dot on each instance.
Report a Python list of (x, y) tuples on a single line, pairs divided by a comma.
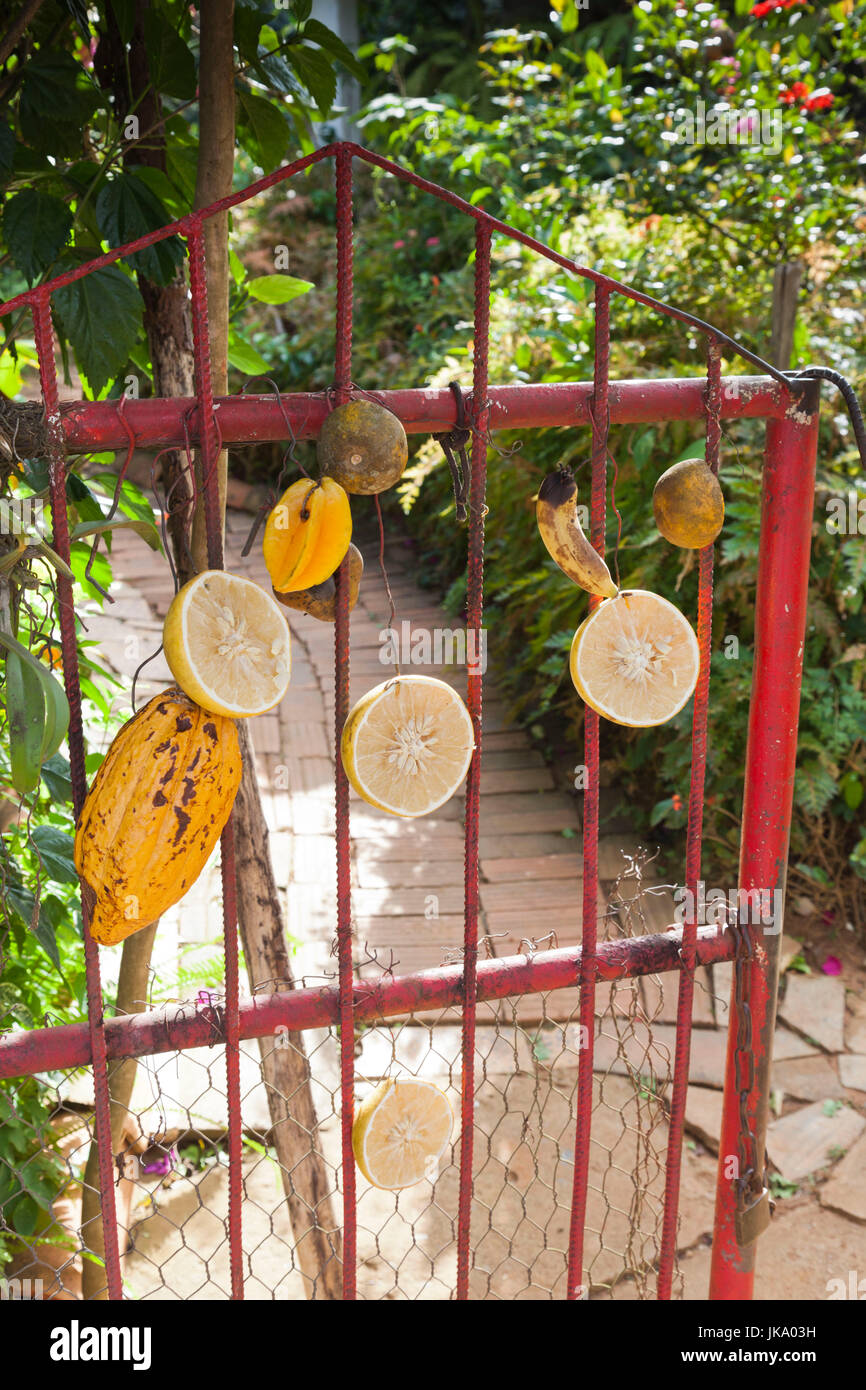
[(635, 659), (400, 1133)]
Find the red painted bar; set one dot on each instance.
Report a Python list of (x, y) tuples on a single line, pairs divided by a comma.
[(685, 1000), (342, 383), (780, 628), (178, 1026), (209, 460), (599, 415), (91, 426)]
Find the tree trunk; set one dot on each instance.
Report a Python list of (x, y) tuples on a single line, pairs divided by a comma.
[(786, 289), (131, 999), (216, 160), (284, 1067)]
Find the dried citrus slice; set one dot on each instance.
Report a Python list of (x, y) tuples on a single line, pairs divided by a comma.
[(407, 745), (400, 1133), (635, 659), (227, 645)]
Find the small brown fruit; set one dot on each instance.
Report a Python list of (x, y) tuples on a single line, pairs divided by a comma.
[(363, 447), (321, 600), (688, 504)]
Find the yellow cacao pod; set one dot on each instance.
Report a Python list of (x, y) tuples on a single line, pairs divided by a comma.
[(154, 813)]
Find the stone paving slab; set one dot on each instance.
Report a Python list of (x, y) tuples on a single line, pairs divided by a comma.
[(852, 1071), (807, 1078), (815, 1006), (812, 1138), (846, 1190)]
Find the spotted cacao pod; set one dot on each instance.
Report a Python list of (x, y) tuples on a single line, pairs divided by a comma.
[(154, 813)]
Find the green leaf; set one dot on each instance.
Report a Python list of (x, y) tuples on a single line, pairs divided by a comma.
[(36, 226), (278, 289), (248, 20), (317, 74), (127, 208), (7, 148), (25, 711), (172, 66), (852, 790), (145, 529), (124, 13), (327, 39), (56, 851), (262, 130), (57, 777), (100, 315), (56, 704), (56, 104), (245, 358), (237, 268), (814, 788), (696, 450), (24, 1216)]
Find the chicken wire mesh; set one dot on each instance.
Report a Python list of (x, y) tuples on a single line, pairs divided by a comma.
[(172, 1165)]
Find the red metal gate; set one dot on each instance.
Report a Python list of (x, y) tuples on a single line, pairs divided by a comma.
[(790, 407)]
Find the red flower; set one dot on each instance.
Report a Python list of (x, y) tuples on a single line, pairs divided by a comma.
[(821, 100), (792, 95), (767, 6), (676, 802)]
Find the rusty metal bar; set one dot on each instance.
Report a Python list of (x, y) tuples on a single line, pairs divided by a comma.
[(342, 384), (700, 716), (474, 685), (210, 497), (176, 1027), (600, 418), (90, 426), (771, 752)]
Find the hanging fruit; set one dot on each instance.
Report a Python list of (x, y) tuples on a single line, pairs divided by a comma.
[(562, 533), (363, 447), (320, 601), (228, 645), (688, 504), (307, 534), (400, 1133), (156, 809), (635, 659), (407, 745)]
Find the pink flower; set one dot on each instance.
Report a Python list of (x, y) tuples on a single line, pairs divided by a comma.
[(432, 241), (398, 245), (832, 966)]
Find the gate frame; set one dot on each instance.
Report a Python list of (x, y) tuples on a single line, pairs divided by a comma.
[(791, 407)]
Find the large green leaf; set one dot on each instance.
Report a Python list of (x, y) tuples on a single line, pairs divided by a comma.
[(128, 208), (56, 851), (278, 289), (245, 358), (325, 38), (100, 315), (262, 130), (317, 74), (7, 148), (172, 66), (36, 226), (56, 104), (145, 529)]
